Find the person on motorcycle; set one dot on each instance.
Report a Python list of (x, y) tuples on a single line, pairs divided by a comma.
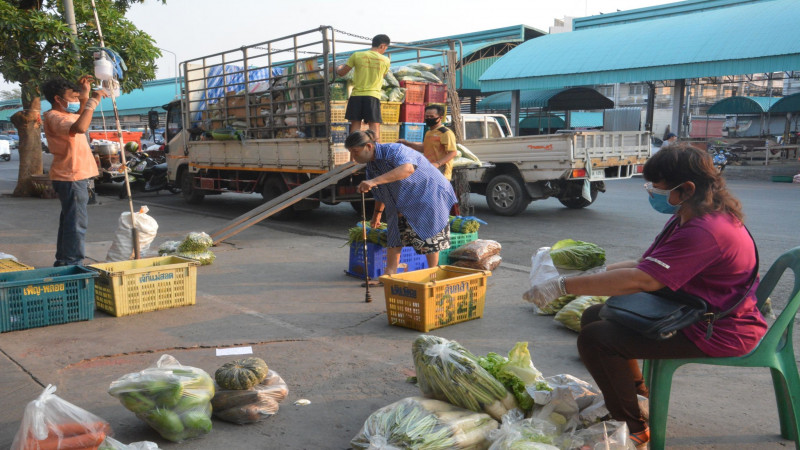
[(131, 147)]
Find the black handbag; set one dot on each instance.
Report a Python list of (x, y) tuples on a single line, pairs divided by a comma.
[(660, 314)]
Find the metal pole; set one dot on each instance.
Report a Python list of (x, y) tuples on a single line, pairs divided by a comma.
[(175, 59)]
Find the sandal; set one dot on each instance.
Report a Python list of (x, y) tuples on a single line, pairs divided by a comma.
[(640, 438)]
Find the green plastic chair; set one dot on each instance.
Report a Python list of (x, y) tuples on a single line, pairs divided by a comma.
[(774, 351)]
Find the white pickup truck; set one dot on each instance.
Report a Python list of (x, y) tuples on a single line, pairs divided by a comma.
[(518, 170)]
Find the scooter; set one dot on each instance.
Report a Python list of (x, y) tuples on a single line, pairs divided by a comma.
[(5, 151), (722, 157), (147, 174)]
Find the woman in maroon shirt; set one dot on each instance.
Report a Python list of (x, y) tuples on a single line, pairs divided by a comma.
[(705, 250)]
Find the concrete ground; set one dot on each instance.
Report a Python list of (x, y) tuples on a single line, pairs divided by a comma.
[(285, 295)]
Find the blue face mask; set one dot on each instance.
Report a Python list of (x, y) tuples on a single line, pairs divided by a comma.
[(73, 107), (659, 199)]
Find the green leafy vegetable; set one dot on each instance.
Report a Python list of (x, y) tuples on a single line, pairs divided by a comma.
[(516, 372), (570, 315), (577, 255)]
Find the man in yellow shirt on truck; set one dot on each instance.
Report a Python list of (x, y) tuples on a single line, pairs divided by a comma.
[(370, 66)]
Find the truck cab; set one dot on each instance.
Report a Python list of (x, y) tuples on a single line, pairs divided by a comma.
[(483, 126)]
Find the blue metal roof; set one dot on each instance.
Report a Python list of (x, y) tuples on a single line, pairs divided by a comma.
[(749, 38), (788, 104), (154, 94), (743, 105), (653, 12), (552, 99)]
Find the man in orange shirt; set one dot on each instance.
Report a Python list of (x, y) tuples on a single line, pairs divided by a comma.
[(65, 126)]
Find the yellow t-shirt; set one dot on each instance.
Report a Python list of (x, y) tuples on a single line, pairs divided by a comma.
[(370, 67), (436, 145)]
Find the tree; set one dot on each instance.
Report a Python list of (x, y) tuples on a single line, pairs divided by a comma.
[(10, 94), (37, 44)]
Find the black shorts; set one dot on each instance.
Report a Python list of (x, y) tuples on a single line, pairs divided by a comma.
[(365, 108)]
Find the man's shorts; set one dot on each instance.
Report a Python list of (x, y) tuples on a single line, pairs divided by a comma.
[(363, 107), (409, 238)]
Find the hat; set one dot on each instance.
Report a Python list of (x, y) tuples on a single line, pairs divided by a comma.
[(670, 136)]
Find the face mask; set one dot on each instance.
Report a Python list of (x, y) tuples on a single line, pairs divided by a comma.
[(73, 107), (659, 200), (431, 122)]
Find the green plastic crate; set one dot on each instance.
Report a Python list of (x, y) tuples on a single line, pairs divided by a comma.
[(456, 240), (42, 297)]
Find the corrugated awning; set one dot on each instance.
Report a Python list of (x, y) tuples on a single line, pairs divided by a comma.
[(742, 105), (756, 37), (551, 99), (788, 104)]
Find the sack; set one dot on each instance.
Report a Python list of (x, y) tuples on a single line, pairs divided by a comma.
[(656, 315), (122, 247)]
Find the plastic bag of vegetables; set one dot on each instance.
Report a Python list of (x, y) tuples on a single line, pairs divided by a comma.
[(168, 248), (570, 315), (421, 423), (516, 373), (608, 435), (204, 258), (250, 405), (113, 444), (397, 94), (390, 79), (577, 255), (50, 422), (570, 401), (555, 305), (447, 371), (195, 242), (519, 433), (174, 400)]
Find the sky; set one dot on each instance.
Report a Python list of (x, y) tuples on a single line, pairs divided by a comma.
[(187, 29)]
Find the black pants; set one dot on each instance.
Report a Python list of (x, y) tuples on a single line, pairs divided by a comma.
[(610, 353)]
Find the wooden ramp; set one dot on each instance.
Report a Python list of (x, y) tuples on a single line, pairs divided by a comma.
[(284, 201)]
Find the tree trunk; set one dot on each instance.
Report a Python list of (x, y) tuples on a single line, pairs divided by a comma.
[(29, 127)]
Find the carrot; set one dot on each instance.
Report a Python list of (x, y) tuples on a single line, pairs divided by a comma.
[(73, 428), (76, 442)]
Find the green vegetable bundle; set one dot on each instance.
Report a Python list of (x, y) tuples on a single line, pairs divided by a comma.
[(516, 372), (570, 315), (463, 225), (518, 433), (374, 235), (577, 255), (447, 371), (421, 423), (205, 258), (195, 242), (174, 400), (555, 305)]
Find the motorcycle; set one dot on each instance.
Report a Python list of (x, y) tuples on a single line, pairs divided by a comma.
[(147, 174), (722, 157)]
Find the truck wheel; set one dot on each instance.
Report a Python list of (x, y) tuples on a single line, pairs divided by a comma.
[(506, 195), (579, 202), (191, 194), (272, 189)]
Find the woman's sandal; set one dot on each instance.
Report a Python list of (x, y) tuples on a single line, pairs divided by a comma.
[(640, 438)]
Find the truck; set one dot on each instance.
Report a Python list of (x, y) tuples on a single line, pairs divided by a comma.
[(268, 118), (571, 166)]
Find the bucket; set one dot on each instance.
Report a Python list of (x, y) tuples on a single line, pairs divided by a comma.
[(103, 69)]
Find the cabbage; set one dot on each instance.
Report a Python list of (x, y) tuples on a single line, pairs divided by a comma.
[(515, 372), (570, 315), (577, 255)]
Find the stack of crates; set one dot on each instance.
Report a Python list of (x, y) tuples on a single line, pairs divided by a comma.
[(412, 111), (390, 128)]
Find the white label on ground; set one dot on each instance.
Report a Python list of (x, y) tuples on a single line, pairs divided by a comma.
[(235, 351)]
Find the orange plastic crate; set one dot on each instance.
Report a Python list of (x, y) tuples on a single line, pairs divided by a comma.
[(435, 93), (415, 91)]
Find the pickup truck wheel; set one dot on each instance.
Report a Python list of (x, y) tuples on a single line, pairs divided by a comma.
[(272, 189), (579, 202), (191, 195), (506, 195)]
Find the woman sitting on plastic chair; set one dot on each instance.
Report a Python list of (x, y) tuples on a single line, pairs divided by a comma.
[(705, 251)]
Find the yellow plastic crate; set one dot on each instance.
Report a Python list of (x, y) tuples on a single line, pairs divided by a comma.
[(390, 132), (390, 112), (142, 285), (433, 298), (337, 112), (9, 265)]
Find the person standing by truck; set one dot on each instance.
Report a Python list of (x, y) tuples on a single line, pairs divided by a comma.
[(73, 164), (416, 197), (370, 67), (438, 145)]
